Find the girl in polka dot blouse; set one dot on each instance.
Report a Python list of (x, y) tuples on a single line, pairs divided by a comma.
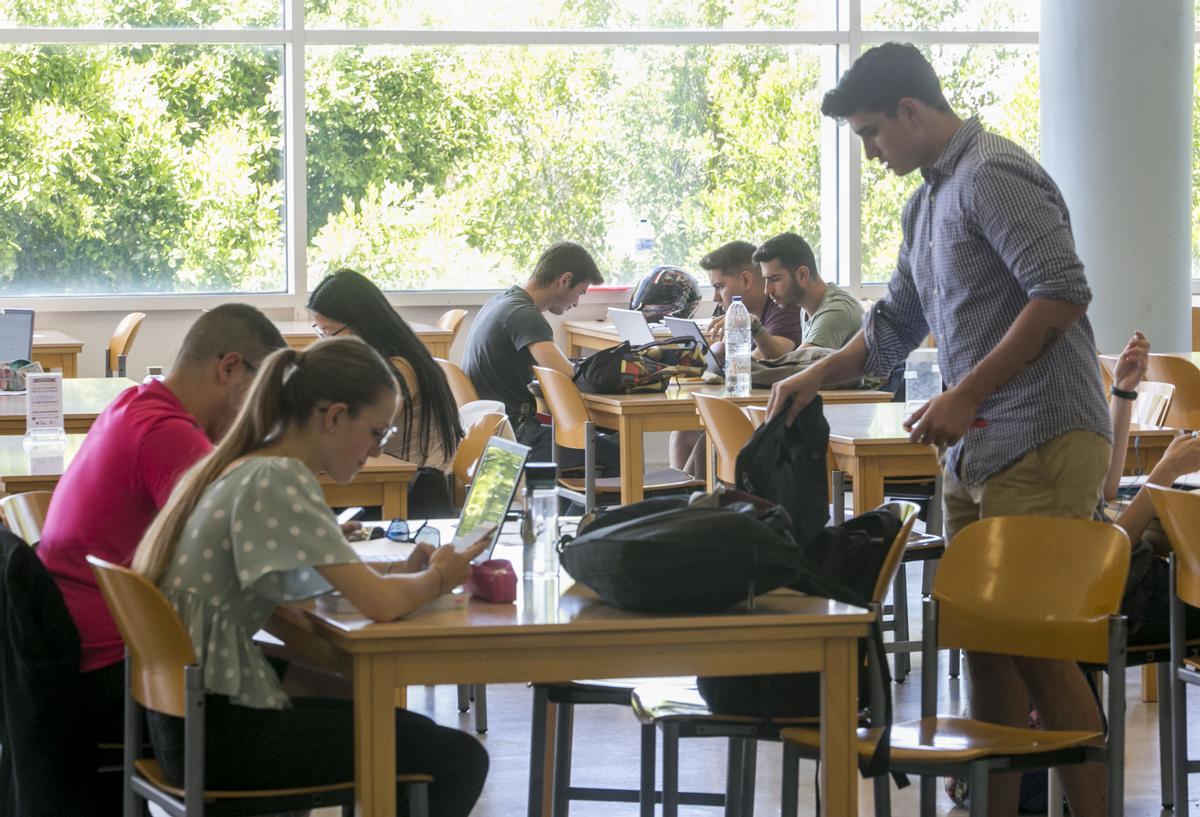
[(248, 528)]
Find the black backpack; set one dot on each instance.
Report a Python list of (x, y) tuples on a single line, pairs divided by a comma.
[(623, 369), (665, 555)]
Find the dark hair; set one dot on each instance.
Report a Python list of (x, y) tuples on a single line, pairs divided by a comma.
[(791, 251), (350, 298), (880, 78), (566, 256), (229, 328), (731, 258), (290, 386)]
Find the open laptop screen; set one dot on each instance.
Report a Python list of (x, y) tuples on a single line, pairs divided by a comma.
[(16, 334), (631, 326)]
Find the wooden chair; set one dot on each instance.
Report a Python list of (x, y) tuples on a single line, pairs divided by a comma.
[(24, 514), (682, 713), (1179, 512), (573, 428), (161, 674), (451, 320), (120, 343), (460, 385), (1153, 403), (1028, 610), (728, 428), (757, 415), (1184, 411), (470, 449)]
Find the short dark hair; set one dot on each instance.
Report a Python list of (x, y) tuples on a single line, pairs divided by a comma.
[(790, 250), (230, 328), (731, 258), (566, 256), (880, 78)]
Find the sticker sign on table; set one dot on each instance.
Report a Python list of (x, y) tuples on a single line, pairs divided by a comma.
[(44, 408)]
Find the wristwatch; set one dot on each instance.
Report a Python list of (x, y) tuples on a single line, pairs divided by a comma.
[(756, 327), (1124, 394)]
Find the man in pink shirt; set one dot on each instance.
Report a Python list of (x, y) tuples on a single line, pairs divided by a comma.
[(126, 468)]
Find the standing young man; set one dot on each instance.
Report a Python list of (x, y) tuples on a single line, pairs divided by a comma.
[(988, 265), (789, 270)]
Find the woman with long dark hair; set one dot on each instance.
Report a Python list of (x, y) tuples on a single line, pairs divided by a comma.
[(346, 303)]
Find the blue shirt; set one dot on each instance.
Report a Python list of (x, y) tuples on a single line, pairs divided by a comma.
[(987, 232)]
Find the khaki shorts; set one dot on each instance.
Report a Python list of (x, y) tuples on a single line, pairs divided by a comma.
[(1063, 476)]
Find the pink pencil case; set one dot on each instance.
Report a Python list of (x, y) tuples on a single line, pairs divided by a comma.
[(494, 580)]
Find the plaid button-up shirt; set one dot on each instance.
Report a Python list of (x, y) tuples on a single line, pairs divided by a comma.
[(987, 232)]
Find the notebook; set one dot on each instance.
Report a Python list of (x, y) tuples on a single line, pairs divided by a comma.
[(16, 334), (631, 326), (688, 328)]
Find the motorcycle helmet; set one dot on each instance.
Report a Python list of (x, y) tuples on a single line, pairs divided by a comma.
[(666, 292)]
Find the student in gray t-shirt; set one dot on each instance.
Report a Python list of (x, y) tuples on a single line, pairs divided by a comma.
[(510, 336), (832, 315)]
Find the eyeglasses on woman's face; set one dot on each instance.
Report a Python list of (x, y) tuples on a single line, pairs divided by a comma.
[(328, 332)]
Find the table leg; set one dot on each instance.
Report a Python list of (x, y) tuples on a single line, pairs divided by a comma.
[(395, 500), (573, 347), (633, 467), (375, 735), (839, 704), (868, 486), (710, 464)]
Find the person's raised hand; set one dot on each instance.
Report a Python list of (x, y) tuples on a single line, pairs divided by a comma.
[(716, 329), (1181, 457), (1131, 365)]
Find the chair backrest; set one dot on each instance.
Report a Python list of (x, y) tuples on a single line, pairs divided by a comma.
[(1179, 512), (908, 513), (24, 514), (451, 319), (1108, 364), (728, 427), (470, 450), (1184, 411), (757, 415), (159, 647), (566, 407), (460, 385), (1034, 586), (1153, 403), (122, 338)]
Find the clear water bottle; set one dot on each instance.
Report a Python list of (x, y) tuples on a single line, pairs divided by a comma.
[(154, 373), (643, 241), (540, 528), (737, 350)]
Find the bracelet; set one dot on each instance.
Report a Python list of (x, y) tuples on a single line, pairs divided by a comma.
[(441, 578), (1124, 394), (756, 328)]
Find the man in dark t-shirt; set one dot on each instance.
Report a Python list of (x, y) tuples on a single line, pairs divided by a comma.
[(510, 336)]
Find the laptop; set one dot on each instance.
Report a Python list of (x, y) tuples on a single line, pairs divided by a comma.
[(492, 490), (631, 326), (688, 328), (16, 334)]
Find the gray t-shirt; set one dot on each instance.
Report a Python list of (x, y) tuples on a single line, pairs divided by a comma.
[(837, 318), (497, 358)]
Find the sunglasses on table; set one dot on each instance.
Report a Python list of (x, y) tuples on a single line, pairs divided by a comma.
[(424, 534)]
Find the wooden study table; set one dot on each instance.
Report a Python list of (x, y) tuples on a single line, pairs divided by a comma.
[(300, 334), (383, 481), (57, 351), (553, 636), (674, 410), (83, 399), (870, 445)]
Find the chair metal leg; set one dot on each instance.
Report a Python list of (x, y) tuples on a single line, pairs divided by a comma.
[(464, 697), (900, 661), (563, 735), (537, 750), (928, 786), (749, 769), (883, 795), (837, 479), (670, 772), (418, 800), (1054, 793), (979, 790), (789, 798), (646, 793), (480, 698), (1165, 719), (955, 661), (734, 778), (589, 466)]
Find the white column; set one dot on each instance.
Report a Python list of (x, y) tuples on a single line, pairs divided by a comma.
[(1116, 88)]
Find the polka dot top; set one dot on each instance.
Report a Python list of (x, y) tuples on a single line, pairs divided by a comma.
[(252, 542)]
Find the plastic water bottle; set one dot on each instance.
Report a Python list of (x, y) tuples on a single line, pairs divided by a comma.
[(737, 350), (539, 529), (643, 241)]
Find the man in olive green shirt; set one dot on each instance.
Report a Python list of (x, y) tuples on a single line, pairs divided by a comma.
[(831, 314)]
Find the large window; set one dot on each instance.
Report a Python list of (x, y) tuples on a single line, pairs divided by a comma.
[(214, 146)]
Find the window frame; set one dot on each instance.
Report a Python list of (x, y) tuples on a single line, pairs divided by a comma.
[(841, 163)]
